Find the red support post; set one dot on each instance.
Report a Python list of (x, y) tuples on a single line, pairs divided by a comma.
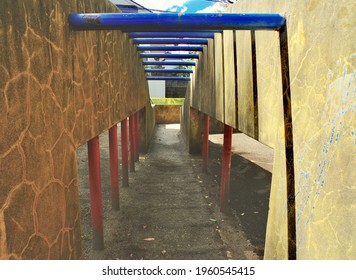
[(125, 153), (95, 193), (226, 167), (205, 143), (132, 142), (137, 134), (114, 168)]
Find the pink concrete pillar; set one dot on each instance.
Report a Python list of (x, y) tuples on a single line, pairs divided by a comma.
[(205, 143), (125, 153), (95, 193), (114, 168), (226, 167), (132, 142), (137, 136)]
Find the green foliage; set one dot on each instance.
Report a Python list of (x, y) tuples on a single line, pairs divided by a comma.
[(184, 67), (183, 74), (167, 101)]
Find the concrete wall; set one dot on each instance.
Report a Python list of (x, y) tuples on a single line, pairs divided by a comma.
[(212, 90), (191, 125), (147, 126), (58, 89), (166, 114), (322, 68), (176, 89)]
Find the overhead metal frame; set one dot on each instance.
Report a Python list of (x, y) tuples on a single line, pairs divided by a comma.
[(170, 41), (155, 70), (172, 63), (175, 22), (202, 34), (169, 55), (168, 78), (172, 29), (170, 48)]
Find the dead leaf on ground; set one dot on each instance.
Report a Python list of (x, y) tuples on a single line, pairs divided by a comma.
[(229, 255), (149, 239)]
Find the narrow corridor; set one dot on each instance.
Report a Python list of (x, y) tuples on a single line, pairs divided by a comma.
[(169, 210)]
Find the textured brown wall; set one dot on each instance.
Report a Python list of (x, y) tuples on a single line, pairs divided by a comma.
[(167, 114), (58, 89)]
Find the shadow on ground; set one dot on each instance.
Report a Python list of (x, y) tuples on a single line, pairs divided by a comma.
[(171, 211), (249, 194)]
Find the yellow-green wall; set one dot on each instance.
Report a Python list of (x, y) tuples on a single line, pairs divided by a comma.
[(322, 57)]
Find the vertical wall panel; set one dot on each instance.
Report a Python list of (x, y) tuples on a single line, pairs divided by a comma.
[(229, 78)]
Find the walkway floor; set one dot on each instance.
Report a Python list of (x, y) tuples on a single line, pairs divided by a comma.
[(169, 211)]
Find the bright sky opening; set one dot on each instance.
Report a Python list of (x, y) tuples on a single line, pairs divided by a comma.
[(181, 6)]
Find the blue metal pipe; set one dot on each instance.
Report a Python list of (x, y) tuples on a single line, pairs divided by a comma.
[(170, 48), (167, 78), (175, 22), (153, 70), (206, 34), (170, 55), (171, 41), (177, 63)]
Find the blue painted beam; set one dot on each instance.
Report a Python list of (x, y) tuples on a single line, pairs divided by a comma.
[(170, 41), (176, 22), (170, 55), (167, 78), (177, 63), (154, 70), (206, 34), (170, 48)]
